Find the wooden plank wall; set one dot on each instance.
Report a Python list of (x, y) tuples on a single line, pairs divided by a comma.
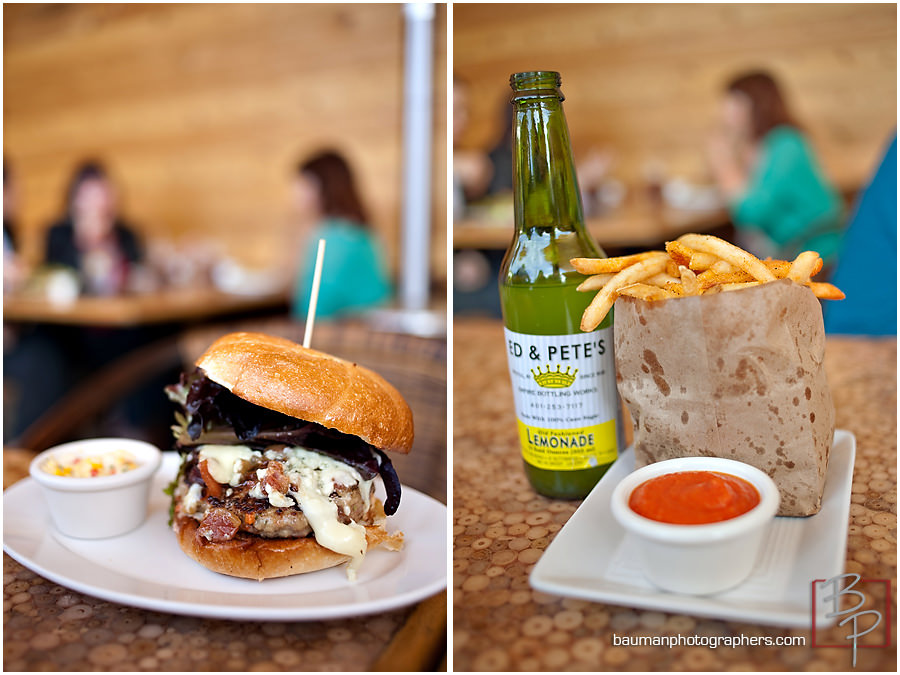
[(202, 112), (644, 80)]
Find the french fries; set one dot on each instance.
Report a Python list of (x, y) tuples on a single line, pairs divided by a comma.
[(721, 266), (689, 281), (804, 266), (736, 286), (694, 264), (730, 253), (679, 253), (709, 278), (645, 292), (662, 279), (609, 265), (825, 290), (595, 282), (675, 288), (604, 300), (703, 261), (694, 260)]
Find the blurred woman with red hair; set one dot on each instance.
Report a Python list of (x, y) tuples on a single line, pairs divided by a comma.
[(354, 273), (781, 203)]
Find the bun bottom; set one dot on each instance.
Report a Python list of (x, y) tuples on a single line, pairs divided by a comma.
[(252, 557)]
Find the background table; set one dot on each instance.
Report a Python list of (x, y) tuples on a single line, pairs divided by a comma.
[(501, 526), (170, 305), (635, 224)]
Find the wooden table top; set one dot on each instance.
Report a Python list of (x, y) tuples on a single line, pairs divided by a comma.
[(635, 225), (170, 305), (501, 526)]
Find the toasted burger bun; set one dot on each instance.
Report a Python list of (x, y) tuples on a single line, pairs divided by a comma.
[(252, 557), (281, 375)]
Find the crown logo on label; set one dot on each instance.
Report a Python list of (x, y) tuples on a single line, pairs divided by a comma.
[(554, 379)]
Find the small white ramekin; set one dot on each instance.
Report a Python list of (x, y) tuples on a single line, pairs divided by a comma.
[(100, 506), (698, 559)]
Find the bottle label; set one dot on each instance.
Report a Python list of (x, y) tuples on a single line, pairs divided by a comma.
[(564, 388)]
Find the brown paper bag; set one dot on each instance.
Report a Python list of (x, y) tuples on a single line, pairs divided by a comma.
[(736, 374)]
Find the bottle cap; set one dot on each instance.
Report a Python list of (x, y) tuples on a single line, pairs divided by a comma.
[(535, 79)]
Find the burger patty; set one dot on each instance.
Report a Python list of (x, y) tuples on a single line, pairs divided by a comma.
[(234, 510)]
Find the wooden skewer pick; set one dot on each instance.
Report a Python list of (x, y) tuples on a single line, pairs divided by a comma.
[(314, 295)]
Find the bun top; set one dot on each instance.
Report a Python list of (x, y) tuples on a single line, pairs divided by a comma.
[(281, 375)]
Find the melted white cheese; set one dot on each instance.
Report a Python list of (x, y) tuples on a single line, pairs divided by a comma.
[(277, 498), (365, 488), (225, 462), (257, 490), (315, 476), (192, 498), (321, 512)]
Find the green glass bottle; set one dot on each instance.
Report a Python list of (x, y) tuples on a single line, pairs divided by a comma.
[(563, 379)]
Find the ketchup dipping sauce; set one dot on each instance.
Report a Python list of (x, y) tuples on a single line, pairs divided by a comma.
[(693, 497)]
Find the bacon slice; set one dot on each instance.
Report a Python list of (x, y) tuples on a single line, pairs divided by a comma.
[(219, 525), (276, 479), (213, 487)]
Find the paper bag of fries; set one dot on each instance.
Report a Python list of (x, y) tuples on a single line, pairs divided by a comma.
[(740, 374)]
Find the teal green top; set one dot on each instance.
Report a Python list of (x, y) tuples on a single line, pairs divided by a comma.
[(354, 277), (789, 200)]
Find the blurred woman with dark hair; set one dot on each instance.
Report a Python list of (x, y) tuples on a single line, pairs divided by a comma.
[(354, 274), (780, 200), (90, 238), (14, 270)]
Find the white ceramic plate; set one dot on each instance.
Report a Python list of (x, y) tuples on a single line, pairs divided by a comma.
[(592, 558), (146, 567)]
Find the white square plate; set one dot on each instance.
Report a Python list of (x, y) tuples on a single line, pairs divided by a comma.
[(593, 559)]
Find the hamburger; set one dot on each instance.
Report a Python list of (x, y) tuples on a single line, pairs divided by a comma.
[(280, 449)]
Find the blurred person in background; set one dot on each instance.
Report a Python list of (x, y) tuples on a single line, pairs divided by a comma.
[(500, 156), (91, 238), (868, 259), (472, 169), (477, 175), (354, 271), (780, 200), (600, 192), (99, 254), (35, 373), (14, 271)]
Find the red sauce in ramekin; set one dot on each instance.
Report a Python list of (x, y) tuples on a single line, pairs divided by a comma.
[(693, 497)]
